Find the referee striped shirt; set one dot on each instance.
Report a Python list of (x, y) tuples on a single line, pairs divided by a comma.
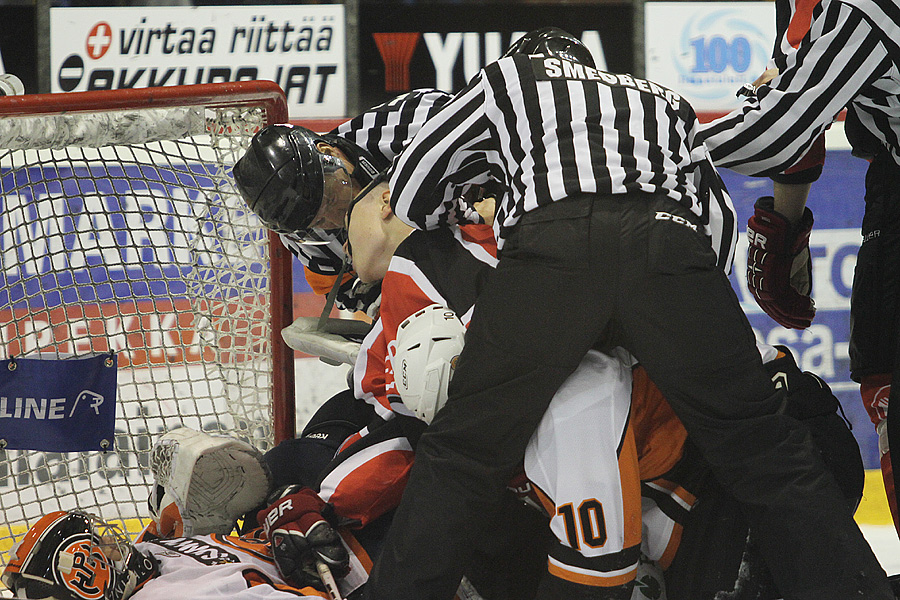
[(850, 57), (384, 131), (545, 129)]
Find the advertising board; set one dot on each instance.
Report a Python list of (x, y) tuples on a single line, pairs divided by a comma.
[(301, 48), (707, 50), (410, 46), (836, 200)]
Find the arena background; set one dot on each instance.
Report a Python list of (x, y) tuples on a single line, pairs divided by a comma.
[(334, 60)]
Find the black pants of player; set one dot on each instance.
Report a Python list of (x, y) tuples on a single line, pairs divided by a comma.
[(618, 270), (714, 556), (875, 299)]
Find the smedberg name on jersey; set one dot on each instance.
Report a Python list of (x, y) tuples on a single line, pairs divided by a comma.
[(548, 68)]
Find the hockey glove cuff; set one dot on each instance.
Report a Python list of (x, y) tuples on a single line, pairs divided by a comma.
[(291, 504), (779, 270)]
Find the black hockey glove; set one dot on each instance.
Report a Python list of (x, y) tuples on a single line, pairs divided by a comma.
[(296, 553), (809, 399)]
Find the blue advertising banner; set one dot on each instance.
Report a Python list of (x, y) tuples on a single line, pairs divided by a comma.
[(56, 405), (837, 204), (99, 233)]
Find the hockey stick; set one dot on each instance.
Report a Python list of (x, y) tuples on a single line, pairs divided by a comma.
[(328, 579), (332, 295)]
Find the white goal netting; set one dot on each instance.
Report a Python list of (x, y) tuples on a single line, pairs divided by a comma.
[(121, 233)]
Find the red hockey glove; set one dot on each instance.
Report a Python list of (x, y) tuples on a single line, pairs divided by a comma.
[(779, 270), (300, 536)]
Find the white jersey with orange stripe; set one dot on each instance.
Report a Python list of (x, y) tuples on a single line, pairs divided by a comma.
[(211, 567)]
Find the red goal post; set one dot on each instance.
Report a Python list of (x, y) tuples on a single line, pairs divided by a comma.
[(121, 231)]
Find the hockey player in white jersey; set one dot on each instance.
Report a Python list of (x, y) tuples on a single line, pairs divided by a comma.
[(76, 556), (243, 566), (202, 485)]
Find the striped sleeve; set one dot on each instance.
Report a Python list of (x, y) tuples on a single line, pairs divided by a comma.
[(444, 155), (721, 217), (324, 257), (323, 262), (384, 131), (770, 133)]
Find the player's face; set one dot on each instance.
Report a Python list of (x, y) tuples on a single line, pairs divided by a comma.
[(337, 192), (336, 152), (367, 241)]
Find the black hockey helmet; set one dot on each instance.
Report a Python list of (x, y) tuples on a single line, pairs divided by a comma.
[(552, 41), (289, 184)]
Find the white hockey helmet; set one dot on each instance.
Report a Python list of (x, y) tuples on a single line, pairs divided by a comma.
[(428, 344)]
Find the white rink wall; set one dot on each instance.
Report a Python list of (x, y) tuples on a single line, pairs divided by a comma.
[(316, 382), (885, 544)]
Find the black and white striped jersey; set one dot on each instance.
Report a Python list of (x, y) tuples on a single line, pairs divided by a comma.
[(385, 130), (320, 251), (849, 57), (544, 129)]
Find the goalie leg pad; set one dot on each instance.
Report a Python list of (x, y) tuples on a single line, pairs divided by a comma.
[(211, 480)]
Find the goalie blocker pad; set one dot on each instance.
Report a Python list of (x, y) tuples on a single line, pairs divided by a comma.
[(204, 483)]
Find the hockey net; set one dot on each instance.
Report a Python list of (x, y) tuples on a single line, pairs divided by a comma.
[(121, 233)]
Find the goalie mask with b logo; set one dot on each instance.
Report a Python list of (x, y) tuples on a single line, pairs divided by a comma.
[(428, 344), (75, 556)]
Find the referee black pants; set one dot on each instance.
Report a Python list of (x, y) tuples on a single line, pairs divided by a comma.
[(631, 271)]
